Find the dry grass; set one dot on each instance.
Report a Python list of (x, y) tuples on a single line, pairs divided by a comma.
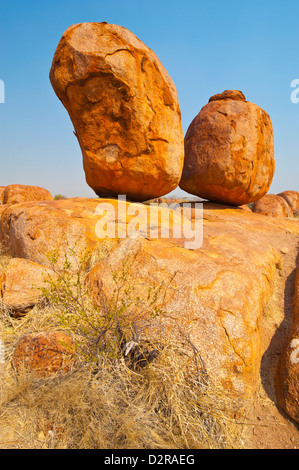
[(167, 404), (164, 405)]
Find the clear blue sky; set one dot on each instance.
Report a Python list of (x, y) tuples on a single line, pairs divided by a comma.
[(206, 47)]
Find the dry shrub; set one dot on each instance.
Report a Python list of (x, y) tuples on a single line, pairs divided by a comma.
[(165, 401), (160, 406), (169, 403)]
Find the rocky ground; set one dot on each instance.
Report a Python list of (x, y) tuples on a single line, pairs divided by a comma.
[(271, 427), (233, 296)]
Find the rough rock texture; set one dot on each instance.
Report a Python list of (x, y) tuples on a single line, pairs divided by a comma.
[(273, 206), (235, 95), (15, 193), (2, 208), (287, 374), (34, 230), (21, 283), (221, 288), (45, 353), (292, 198), (227, 338), (124, 108), (2, 189), (229, 151), (219, 292), (246, 208)]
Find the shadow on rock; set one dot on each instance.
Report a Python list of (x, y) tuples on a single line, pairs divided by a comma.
[(277, 345)]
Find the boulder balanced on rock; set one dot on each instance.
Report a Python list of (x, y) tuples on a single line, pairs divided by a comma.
[(229, 151), (124, 108)]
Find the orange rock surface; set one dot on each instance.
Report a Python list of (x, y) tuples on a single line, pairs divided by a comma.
[(2, 208), (246, 208), (124, 108), (229, 151), (34, 230), (220, 289), (273, 206), (45, 353), (218, 294), (21, 283), (287, 373), (2, 189), (292, 198), (15, 193)]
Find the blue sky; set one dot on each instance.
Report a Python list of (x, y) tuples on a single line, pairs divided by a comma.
[(206, 47)]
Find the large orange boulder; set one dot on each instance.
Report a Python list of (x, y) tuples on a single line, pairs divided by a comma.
[(124, 108), (15, 193), (45, 353), (229, 151), (273, 206), (21, 285)]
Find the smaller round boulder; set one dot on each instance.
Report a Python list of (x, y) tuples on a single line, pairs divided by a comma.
[(229, 151), (15, 193), (273, 206), (44, 353)]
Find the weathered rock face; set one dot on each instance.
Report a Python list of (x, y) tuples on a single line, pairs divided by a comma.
[(124, 108), (220, 288), (45, 353), (218, 294), (229, 151), (2, 208), (2, 189), (34, 230), (21, 283), (273, 206), (218, 325), (292, 198), (246, 208), (15, 193), (287, 373)]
